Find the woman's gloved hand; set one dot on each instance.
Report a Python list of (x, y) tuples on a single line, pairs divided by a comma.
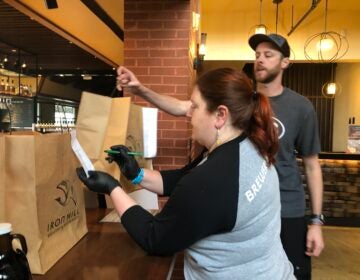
[(98, 181), (127, 163)]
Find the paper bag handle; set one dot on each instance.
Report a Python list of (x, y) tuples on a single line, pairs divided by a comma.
[(116, 93)]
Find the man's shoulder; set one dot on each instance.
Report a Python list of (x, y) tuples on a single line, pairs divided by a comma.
[(291, 102), (292, 93), (294, 96)]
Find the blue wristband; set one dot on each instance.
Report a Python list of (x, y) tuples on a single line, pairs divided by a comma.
[(139, 177)]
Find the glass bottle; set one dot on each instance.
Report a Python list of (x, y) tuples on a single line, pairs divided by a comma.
[(25, 90), (7, 86), (30, 90), (2, 86), (12, 87), (21, 89)]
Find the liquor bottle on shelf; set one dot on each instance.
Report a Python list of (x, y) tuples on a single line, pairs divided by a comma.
[(17, 89), (25, 90), (2, 86), (21, 89), (31, 93), (12, 87), (7, 86)]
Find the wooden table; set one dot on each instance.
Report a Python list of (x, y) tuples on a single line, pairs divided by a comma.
[(108, 252)]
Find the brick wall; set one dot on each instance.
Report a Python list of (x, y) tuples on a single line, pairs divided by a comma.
[(158, 36)]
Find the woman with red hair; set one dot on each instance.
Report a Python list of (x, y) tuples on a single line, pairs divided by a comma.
[(223, 207)]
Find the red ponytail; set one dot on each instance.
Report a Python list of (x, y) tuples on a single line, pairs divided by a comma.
[(261, 130)]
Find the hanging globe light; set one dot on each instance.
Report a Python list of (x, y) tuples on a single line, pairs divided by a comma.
[(331, 89), (327, 46), (259, 28)]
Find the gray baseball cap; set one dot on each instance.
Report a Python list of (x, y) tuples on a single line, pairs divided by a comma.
[(279, 42)]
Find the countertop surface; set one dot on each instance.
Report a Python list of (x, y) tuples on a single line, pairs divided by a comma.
[(108, 252), (343, 156)]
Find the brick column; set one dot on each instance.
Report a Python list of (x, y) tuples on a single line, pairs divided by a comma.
[(157, 42)]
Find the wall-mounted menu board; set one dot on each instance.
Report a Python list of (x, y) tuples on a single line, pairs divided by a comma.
[(21, 110)]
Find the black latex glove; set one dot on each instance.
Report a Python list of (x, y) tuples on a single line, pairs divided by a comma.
[(98, 181), (127, 163)]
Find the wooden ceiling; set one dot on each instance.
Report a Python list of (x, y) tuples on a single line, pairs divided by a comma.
[(45, 52)]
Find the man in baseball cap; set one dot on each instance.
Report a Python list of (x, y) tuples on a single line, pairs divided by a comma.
[(271, 59), (278, 41), (296, 121)]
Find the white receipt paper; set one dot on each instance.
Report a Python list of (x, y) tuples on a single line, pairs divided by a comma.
[(150, 131), (80, 153)]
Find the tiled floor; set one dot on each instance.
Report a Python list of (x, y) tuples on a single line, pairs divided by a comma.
[(339, 261)]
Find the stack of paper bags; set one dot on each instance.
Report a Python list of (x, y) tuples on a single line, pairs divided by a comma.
[(103, 122)]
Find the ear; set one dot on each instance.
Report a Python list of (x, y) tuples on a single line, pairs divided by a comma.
[(285, 63), (222, 116)]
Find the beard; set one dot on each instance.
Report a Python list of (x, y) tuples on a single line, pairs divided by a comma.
[(269, 76)]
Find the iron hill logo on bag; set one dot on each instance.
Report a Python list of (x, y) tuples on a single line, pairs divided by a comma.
[(67, 199), (68, 193)]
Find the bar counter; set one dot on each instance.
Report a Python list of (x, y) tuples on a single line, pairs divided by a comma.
[(342, 156), (108, 252)]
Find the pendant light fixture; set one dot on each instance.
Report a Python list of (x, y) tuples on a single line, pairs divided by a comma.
[(326, 46), (277, 2), (331, 89), (259, 28)]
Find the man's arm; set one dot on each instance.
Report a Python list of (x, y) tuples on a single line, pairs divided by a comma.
[(127, 80), (313, 173)]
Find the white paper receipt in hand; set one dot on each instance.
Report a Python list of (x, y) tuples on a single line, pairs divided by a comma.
[(80, 153), (150, 131)]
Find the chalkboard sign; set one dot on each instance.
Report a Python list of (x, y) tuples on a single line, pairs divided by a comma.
[(21, 110)]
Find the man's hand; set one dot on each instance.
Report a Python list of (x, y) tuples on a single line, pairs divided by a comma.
[(98, 181), (127, 163), (314, 241), (127, 79)]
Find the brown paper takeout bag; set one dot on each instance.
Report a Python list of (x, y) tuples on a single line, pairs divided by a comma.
[(102, 122), (43, 198)]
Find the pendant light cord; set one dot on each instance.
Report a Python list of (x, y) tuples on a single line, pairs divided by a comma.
[(277, 17)]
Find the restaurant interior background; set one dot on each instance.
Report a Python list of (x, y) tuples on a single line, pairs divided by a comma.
[(52, 50), (77, 45), (82, 56), (228, 25)]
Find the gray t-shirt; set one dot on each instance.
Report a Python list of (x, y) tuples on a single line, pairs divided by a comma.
[(224, 211), (296, 121), (252, 249)]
